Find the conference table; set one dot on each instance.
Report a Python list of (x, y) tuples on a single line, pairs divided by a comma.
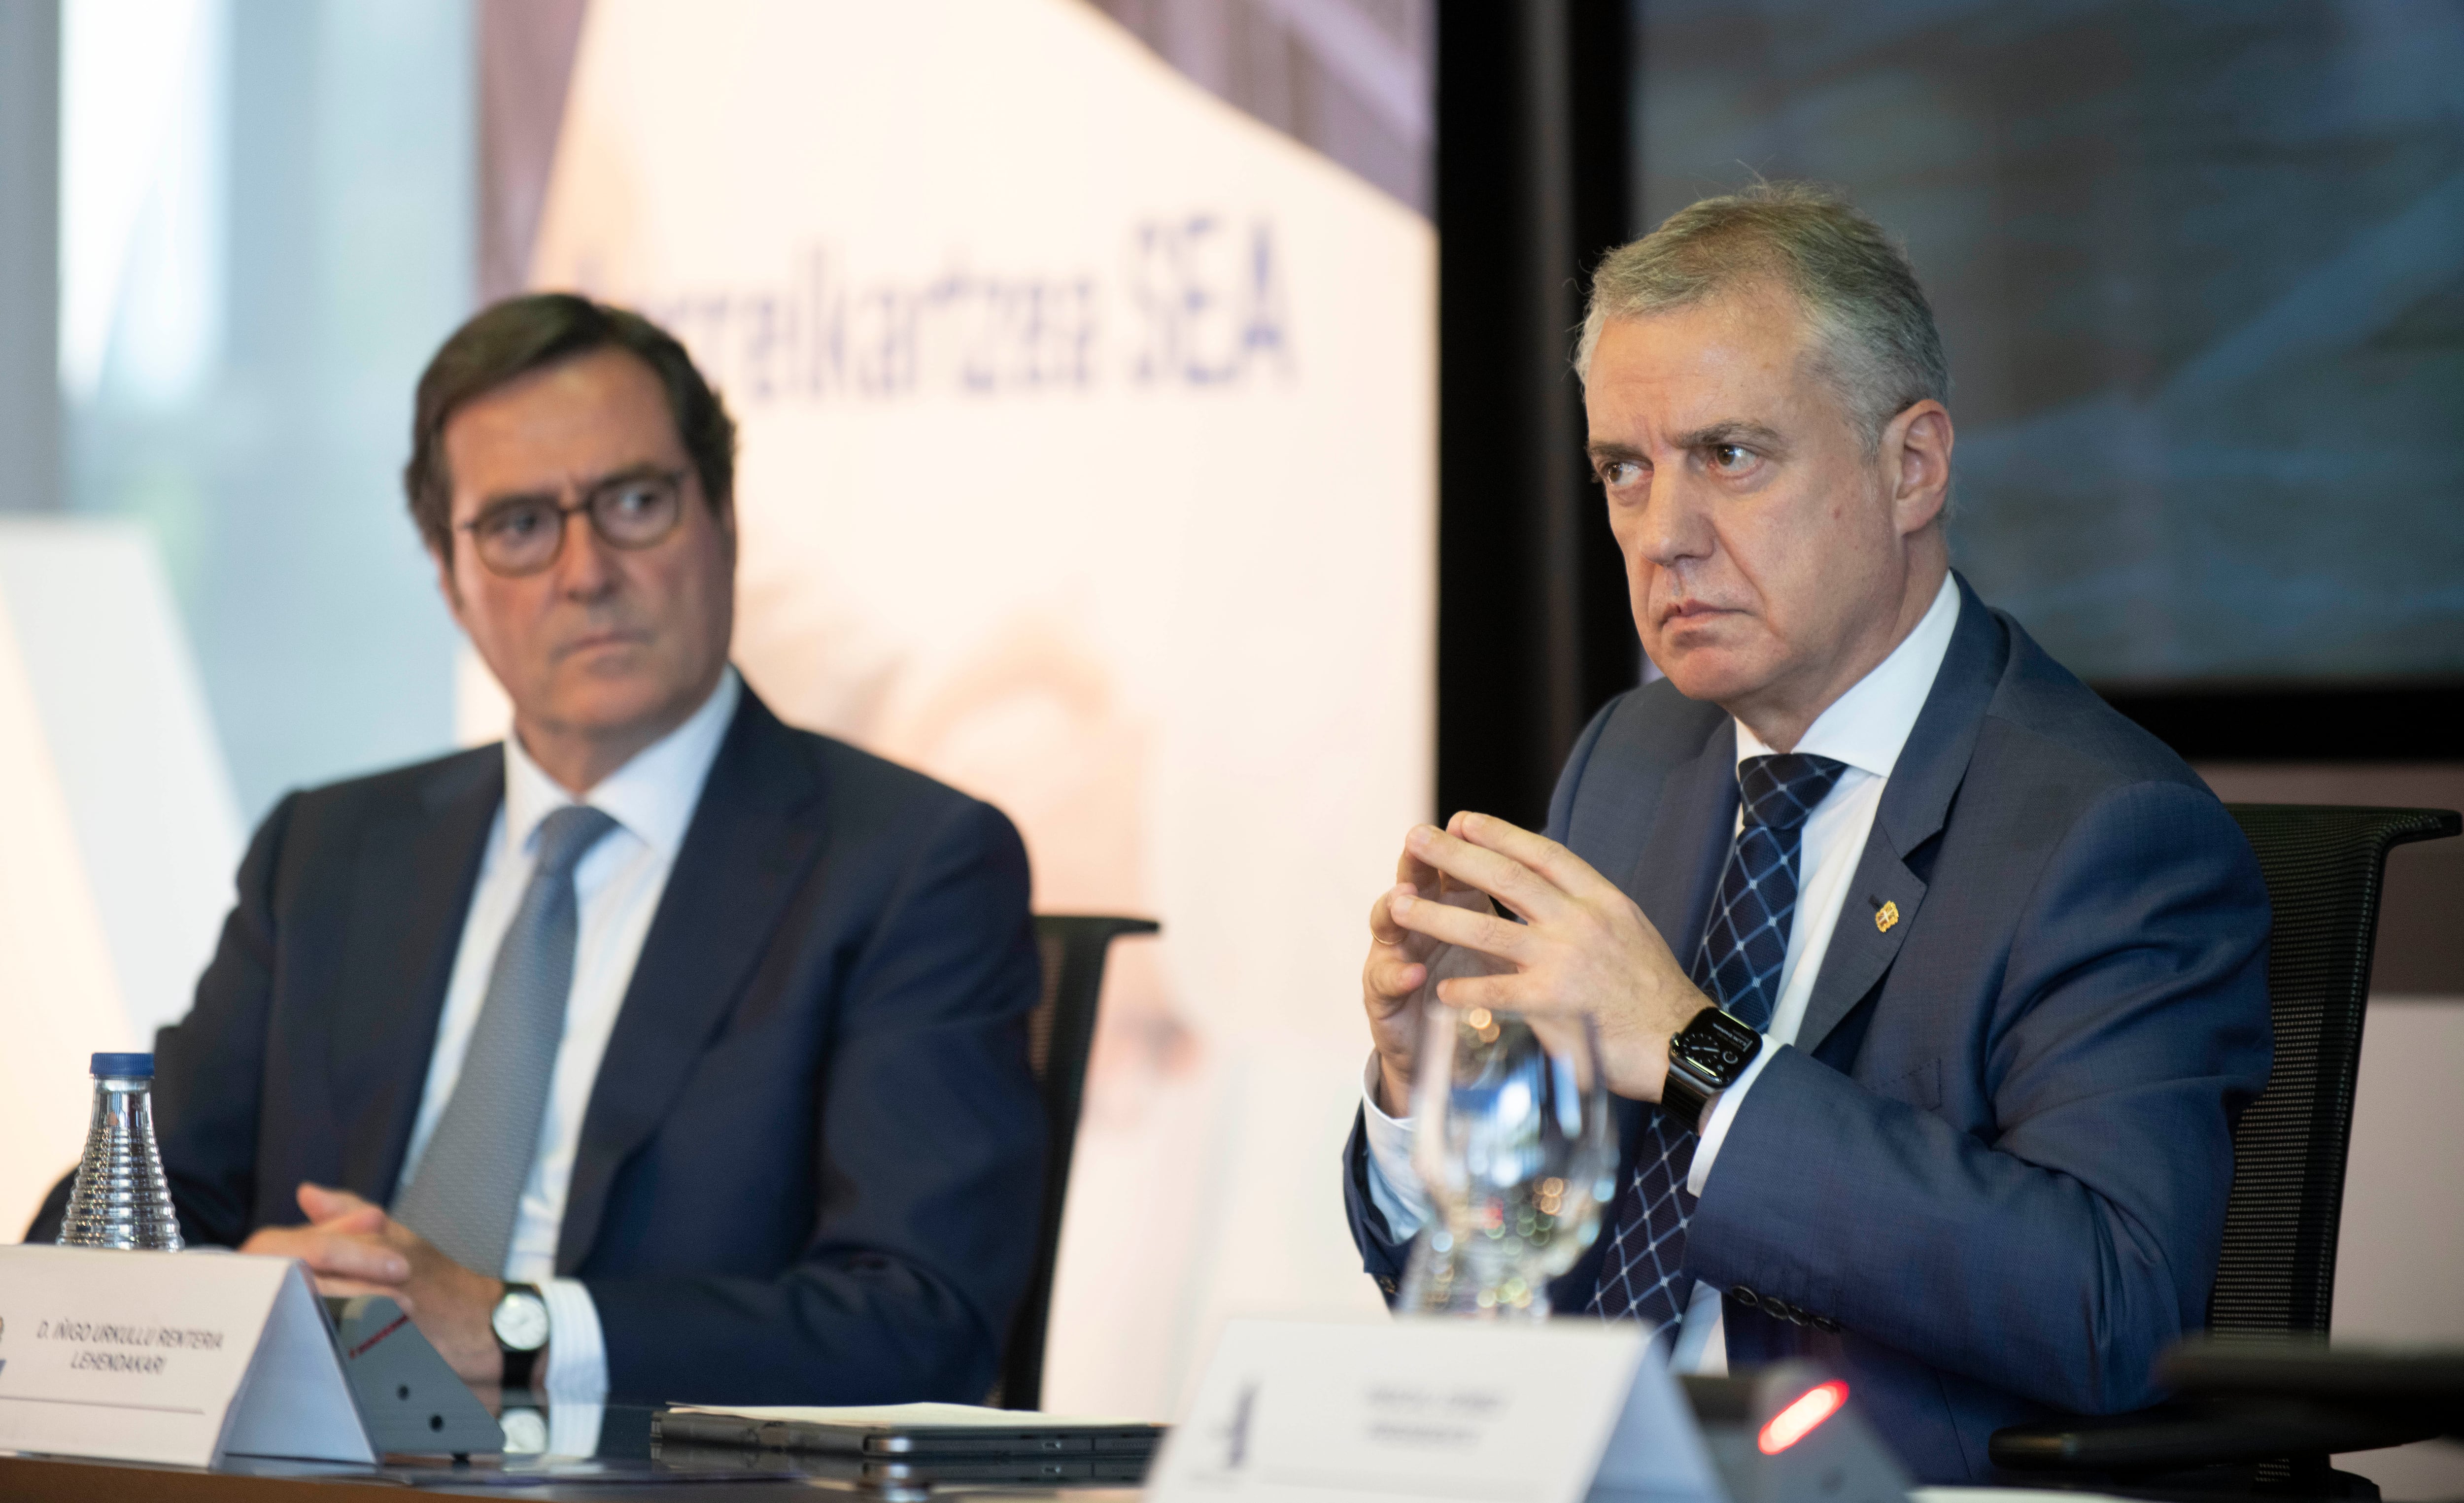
[(624, 1469), (630, 1467)]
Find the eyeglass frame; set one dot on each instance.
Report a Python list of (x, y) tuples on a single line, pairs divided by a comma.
[(564, 514)]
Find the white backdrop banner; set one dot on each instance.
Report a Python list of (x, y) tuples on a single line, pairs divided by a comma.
[(1088, 434)]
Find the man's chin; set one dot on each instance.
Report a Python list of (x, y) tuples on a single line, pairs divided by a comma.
[(611, 705), (1714, 676)]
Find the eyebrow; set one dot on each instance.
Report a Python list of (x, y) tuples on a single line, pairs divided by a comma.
[(1735, 431), (1758, 436), (640, 470)]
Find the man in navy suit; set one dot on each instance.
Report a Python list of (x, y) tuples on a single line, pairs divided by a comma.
[(1930, 988), (662, 1051)]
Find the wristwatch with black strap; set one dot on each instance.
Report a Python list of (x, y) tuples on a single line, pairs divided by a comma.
[(1705, 1058), (520, 1323)]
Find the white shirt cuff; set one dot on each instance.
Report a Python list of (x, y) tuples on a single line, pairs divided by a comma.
[(1393, 1186), (1715, 1128), (576, 1350), (1701, 1337)]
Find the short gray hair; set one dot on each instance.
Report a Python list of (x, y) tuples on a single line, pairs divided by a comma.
[(1874, 331)]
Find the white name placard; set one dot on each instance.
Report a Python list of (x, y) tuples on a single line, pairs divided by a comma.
[(1447, 1411), (179, 1358)]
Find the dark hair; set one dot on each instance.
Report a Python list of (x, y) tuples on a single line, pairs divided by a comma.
[(511, 339)]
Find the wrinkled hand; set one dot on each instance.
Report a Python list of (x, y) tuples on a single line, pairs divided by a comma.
[(1401, 963), (1582, 947), (354, 1247)]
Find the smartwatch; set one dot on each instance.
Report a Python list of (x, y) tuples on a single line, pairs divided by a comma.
[(1705, 1058), (519, 1321)]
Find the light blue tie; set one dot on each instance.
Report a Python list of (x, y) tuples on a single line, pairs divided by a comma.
[(469, 1186)]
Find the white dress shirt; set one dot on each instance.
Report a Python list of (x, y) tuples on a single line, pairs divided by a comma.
[(1864, 728), (617, 888)]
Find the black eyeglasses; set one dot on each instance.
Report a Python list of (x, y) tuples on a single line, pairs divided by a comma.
[(523, 534)]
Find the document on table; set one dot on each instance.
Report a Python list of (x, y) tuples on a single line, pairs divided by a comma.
[(905, 1429)]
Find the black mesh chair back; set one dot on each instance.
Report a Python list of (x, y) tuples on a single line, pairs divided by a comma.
[(1059, 1032), (2325, 866), (2275, 1275)]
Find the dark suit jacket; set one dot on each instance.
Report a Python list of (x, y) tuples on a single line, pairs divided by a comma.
[(1998, 1154), (809, 1171)]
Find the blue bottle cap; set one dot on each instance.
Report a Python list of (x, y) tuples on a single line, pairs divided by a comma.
[(124, 1065)]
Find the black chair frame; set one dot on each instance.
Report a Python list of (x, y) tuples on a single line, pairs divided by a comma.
[(1060, 1033)]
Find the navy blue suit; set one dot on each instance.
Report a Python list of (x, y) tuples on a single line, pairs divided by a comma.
[(809, 1170), (1998, 1154)]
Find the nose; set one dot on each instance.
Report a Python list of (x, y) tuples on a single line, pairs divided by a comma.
[(1671, 527), (584, 570)]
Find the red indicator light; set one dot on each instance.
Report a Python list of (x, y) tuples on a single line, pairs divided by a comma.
[(1797, 1420)]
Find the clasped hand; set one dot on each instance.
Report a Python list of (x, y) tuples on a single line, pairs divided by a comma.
[(1582, 946), (354, 1247)]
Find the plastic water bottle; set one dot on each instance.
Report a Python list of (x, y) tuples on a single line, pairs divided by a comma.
[(121, 1199)]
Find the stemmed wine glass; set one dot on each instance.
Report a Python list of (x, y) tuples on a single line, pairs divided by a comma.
[(1514, 1138)]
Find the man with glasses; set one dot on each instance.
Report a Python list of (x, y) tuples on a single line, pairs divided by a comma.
[(662, 1051)]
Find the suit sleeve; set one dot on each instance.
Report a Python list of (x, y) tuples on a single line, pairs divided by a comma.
[(1382, 1253), (930, 1148), (2055, 1253), (209, 1067)]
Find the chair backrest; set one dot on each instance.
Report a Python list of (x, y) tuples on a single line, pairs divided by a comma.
[(2323, 867), (1059, 1032)]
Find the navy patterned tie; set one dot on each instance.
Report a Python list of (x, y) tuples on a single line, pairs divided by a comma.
[(1744, 943)]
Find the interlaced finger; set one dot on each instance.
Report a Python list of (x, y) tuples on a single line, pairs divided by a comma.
[(1501, 877), (349, 1257), (1563, 871), (1472, 929)]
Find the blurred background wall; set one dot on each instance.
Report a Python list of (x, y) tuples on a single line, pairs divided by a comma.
[(1086, 437), (266, 224)]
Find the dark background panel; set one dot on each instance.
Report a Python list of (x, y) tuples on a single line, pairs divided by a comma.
[(1532, 181), (2196, 267), (2200, 271)]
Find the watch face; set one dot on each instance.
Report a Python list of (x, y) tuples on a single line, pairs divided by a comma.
[(1717, 1047), (521, 1320)]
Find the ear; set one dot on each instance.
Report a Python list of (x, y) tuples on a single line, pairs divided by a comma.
[(1916, 461)]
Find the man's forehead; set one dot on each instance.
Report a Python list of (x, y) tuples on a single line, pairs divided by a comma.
[(596, 414), (1733, 357), (594, 385)]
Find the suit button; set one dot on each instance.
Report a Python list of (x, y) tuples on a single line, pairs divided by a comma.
[(1745, 1296), (1826, 1325), (1385, 1283)]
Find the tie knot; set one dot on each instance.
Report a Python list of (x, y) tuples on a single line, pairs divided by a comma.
[(1780, 792), (567, 835)]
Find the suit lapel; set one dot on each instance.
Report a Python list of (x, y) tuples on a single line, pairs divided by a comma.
[(753, 836), (1882, 898), (413, 883), (1674, 879), (1873, 919)]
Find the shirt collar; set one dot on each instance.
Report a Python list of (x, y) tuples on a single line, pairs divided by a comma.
[(1866, 726), (653, 795)]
